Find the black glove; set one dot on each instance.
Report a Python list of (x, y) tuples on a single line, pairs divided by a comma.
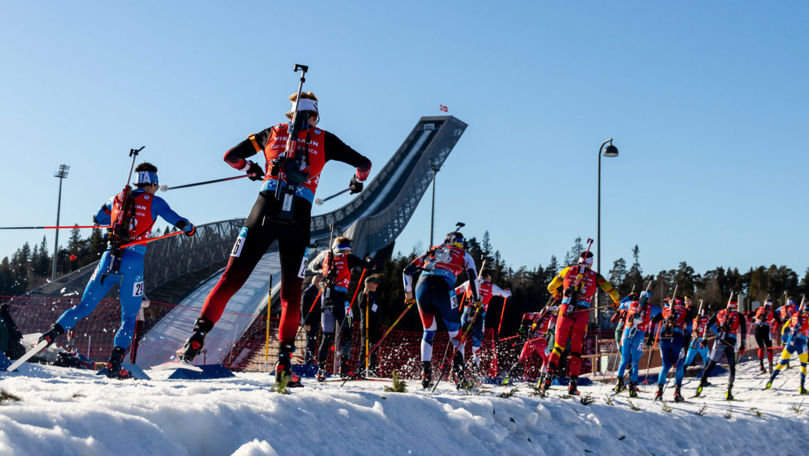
[(186, 227), (648, 342), (254, 171), (355, 186)]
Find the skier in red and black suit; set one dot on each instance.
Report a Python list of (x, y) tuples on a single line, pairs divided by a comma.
[(336, 266), (574, 312), (729, 321), (265, 224), (765, 316), (440, 266)]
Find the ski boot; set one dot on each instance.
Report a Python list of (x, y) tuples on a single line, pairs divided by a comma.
[(633, 389), (771, 366), (678, 397), (283, 367), (699, 388), (803, 391), (729, 394), (545, 384), (426, 374), (763, 370), (321, 374), (458, 374), (344, 374), (619, 386), (114, 369), (55, 331), (659, 393), (194, 343), (571, 389)]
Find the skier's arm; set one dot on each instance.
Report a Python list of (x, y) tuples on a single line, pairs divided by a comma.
[(338, 150), (462, 288), (409, 271), (557, 282), (356, 262), (500, 292), (608, 288), (742, 329), (161, 207), (104, 214), (777, 318), (471, 275), (254, 144), (316, 265)]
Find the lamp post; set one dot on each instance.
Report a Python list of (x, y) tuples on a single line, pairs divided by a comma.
[(610, 151), (435, 167), (61, 174)]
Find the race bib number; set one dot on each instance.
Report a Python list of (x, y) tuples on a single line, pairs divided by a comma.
[(239, 245), (453, 302), (304, 262), (374, 307), (137, 289)]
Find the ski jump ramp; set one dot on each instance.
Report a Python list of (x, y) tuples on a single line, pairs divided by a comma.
[(372, 220)]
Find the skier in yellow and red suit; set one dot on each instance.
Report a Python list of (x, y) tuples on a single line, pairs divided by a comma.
[(574, 312)]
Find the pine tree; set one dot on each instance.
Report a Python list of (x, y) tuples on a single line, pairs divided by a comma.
[(618, 275)]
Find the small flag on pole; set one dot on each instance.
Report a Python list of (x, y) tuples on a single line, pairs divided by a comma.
[(443, 108)]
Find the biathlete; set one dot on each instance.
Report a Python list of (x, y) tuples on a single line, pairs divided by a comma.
[(637, 321), (574, 312), (435, 297), (270, 220), (486, 290), (129, 274)]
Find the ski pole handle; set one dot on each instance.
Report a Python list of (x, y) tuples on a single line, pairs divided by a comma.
[(319, 201)]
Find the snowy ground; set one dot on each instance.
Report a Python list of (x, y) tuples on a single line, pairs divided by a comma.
[(66, 411)]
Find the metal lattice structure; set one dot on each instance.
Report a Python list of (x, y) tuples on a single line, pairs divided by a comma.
[(373, 219)]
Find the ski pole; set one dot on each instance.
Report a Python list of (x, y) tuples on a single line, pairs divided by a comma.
[(384, 336), (319, 201), (503, 312), (146, 241), (51, 227), (165, 188)]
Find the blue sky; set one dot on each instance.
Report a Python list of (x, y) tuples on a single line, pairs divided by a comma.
[(707, 102)]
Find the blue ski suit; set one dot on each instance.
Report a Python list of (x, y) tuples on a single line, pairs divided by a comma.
[(130, 273)]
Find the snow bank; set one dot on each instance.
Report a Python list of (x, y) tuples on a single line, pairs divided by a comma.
[(65, 411)]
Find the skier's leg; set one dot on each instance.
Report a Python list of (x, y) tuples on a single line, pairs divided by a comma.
[(564, 325), (578, 330), (131, 297), (626, 355), (251, 243), (327, 321), (679, 367), (637, 352), (94, 292), (293, 240)]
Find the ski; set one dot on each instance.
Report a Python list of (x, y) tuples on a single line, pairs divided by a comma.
[(176, 364), (28, 355)]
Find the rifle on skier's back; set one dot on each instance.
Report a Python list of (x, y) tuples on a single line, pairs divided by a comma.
[(121, 221)]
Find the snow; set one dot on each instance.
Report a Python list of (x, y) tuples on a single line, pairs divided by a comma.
[(68, 411)]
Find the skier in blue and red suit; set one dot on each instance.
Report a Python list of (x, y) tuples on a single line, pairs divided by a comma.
[(435, 296), (637, 318), (699, 330), (129, 276), (672, 332), (270, 221), (798, 342)]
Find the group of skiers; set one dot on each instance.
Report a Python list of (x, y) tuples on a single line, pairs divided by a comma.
[(295, 154)]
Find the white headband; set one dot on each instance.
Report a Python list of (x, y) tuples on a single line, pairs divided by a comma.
[(305, 104)]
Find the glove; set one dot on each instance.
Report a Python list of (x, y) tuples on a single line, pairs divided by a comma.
[(254, 171), (187, 227), (648, 343), (355, 186), (704, 341), (741, 351), (523, 330)]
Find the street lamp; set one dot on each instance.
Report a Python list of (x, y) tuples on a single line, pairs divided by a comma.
[(61, 174), (435, 165), (610, 151)]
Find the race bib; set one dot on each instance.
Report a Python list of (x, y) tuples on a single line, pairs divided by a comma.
[(453, 303), (374, 307), (137, 289), (239, 245)]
